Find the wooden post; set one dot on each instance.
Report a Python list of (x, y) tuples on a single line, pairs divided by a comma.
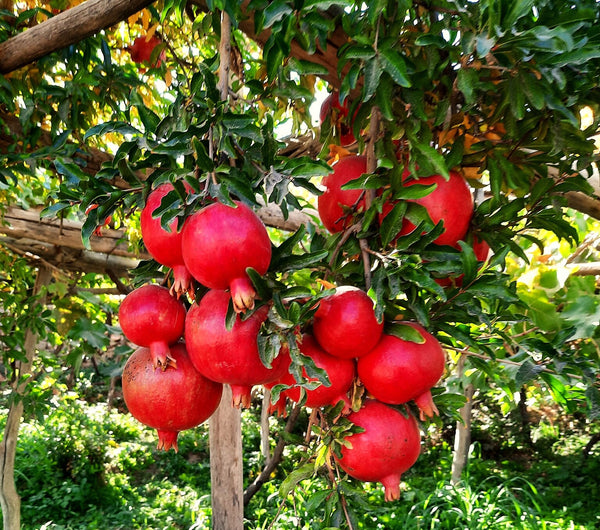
[(225, 425), (226, 466), (462, 438), (9, 498)]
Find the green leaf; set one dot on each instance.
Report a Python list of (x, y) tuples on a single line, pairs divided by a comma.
[(435, 158), (527, 372), (467, 80), (291, 481), (518, 10), (111, 126), (275, 11), (392, 223), (70, 170), (394, 65), (149, 118), (372, 74), (231, 316), (358, 51), (301, 261), (534, 90), (405, 332)]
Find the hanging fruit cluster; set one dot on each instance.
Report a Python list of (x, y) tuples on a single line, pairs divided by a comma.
[(190, 346), (174, 381)]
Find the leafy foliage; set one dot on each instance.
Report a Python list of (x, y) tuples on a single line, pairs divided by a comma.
[(493, 89)]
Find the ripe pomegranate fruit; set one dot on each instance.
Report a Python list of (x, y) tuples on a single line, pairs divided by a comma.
[(389, 446), (230, 356), (451, 202), (219, 243), (165, 245), (345, 324), (341, 373), (142, 48), (335, 205), (151, 317), (397, 371), (169, 401), (338, 113)]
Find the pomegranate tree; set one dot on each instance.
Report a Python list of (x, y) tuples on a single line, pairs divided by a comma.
[(230, 355), (336, 206), (450, 202), (345, 324), (220, 242), (165, 245), (151, 317), (388, 447), (397, 371), (171, 400)]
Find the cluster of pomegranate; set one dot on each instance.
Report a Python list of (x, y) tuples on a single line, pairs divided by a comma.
[(174, 381), (450, 202), (351, 346), (188, 351)]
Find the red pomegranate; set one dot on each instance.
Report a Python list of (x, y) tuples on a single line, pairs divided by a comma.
[(335, 205), (220, 242), (165, 245), (341, 373), (151, 317), (451, 202), (142, 48), (230, 356), (338, 113), (345, 324), (172, 400), (397, 371), (388, 447)]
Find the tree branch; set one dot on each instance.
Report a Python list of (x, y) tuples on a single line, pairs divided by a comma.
[(69, 27)]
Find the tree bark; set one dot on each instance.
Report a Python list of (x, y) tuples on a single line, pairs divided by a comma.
[(69, 27), (462, 438), (226, 465), (59, 243), (9, 498), (586, 269)]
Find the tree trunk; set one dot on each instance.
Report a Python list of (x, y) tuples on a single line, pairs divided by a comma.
[(462, 438), (69, 27), (524, 417), (9, 498), (226, 465)]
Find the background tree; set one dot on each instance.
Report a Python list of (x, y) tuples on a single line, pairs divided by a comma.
[(495, 90)]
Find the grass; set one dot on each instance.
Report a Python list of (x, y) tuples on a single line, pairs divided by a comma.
[(86, 466)]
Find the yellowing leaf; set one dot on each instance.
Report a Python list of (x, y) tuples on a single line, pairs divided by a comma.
[(146, 18)]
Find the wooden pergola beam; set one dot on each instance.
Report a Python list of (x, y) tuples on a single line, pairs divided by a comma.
[(64, 29), (59, 243)]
